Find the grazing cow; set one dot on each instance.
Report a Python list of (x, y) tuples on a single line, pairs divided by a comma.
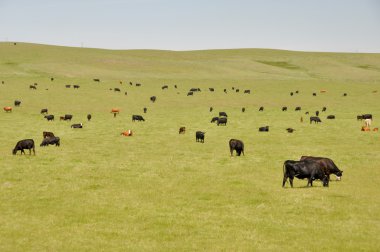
[(317, 113), (68, 86), (66, 117), (130, 83), (315, 119), (303, 169), (291, 93), (200, 136), (297, 92), (24, 144), (32, 87), (261, 109), (116, 89), (237, 90), (211, 89), (76, 86), (126, 93), (324, 109), (284, 108), (77, 126), (225, 90), (375, 129), (368, 122), (97, 80), (330, 117), (307, 112), (243, 109), (138, 84), (17, 103), (182, 130), (326, 164), (236, 145), (211, 109), (297, 109), (145, 110), (51, 79), (247, 91), (223, 114), (115, 110), (364, 128), (153, 98), (290, 130), (49, 117), (44, 111), (127, 133), (367, 116), (214, 119), (46, 134), (195, 89), (189, 93), (8, 109), (164, 87), (233, 88), (222, 121), (137, 117), (89, 117), (175, 86), (264, 129), (345, 94), (50, 140), (314, 94)]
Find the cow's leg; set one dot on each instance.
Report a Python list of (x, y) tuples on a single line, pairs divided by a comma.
[(22, 151), (291, 181), (284, 180)]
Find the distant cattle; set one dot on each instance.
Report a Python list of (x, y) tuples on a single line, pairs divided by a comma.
[(225, 90), (214, 119), (345, 94), (115, 110), (145, 110), (264, 129), (328, 166), (222, 121), (51, 79), (297, 91), (298, 109), (303, 169), (164, 87), (330, 117), (375, 129), (189, 93), (49, 117), (127, 133), (211, 89), (47, 134), (233, 88), (314, 94), (126, 93), (76, 86), (153, 98), (200, 136), (8, 109), (137, 118), (66, 117), (223, 114), (138, 84), (50, 140), (367, 116), (97, 80), (261, 108), (2, 82), (364, 128), (247, 91), (17, 103), (32, 87), (130, 83), (324, 109), (67, 86), (243, 109), (89, 117), (323, 91), (291, 93), (175, 86), (290, 130), (77, 126), (195, 90), (116, 89), (317, 113), (44, 111), (236, 145), (315, 119), (307, 112), (237, 90), (182, 130), (284, 108), (25, 144), (211, 109)]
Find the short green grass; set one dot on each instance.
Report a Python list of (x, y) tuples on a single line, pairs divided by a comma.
[(160, 191)]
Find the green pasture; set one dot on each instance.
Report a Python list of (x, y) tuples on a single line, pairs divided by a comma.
[(161, 191)]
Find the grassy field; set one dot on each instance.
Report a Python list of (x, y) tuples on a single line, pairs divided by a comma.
[(160, 191)]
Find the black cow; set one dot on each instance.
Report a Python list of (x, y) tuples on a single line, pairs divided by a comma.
[(225, 90), (211, 109), (237, 90), (89, 117), (17, 103), (223, 114), (66, 117), (291, 93), (359, 117), (247, 91), (32, 87), (298, 109), (211, 89), (153, 98), (324, 109), (126, 93), (264, 129), (49, 117), (77, 126), (317, 113), (200, 136), (137, 117), (50, 140), (130, 83), (190, 93), (367, 116), (138, 84), (243, 109), (68, 86), (97, 80), (175, 86), (345, 94), (314, 94), (164, 87), (303, 169), (297, 92), (116, 89), (284, 108), (327, 165), (330, 117), (261, 108), (46, 134), (222, 121), (315, 119), (76, 86), (290, 130), (214, 119), (24, 144), (236, 145), (195, 89), (51, 79), (145, 110)]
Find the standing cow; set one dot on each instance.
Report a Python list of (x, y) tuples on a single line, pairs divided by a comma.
[(24, 144), (303, 169), (200, 136), (236, 145)]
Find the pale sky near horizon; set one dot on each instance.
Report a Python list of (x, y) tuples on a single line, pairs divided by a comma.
[(302, 25)]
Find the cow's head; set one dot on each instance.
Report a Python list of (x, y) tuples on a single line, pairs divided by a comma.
[(14, 151)]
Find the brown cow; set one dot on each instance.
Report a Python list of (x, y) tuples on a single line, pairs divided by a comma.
[(364, 128), (376, 129), (182, 130), (46, 134), (115, 110), (8, 109), (127, 133)]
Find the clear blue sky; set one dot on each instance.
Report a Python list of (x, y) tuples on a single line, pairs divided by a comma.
[(305, 25)]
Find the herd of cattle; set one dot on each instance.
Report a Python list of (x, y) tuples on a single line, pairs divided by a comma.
[(310, 168)]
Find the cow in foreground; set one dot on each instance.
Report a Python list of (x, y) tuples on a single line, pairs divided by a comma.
[(327, 165), (25, 144), (236, 145), (51, 140), (200, 136), (303, 169)]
